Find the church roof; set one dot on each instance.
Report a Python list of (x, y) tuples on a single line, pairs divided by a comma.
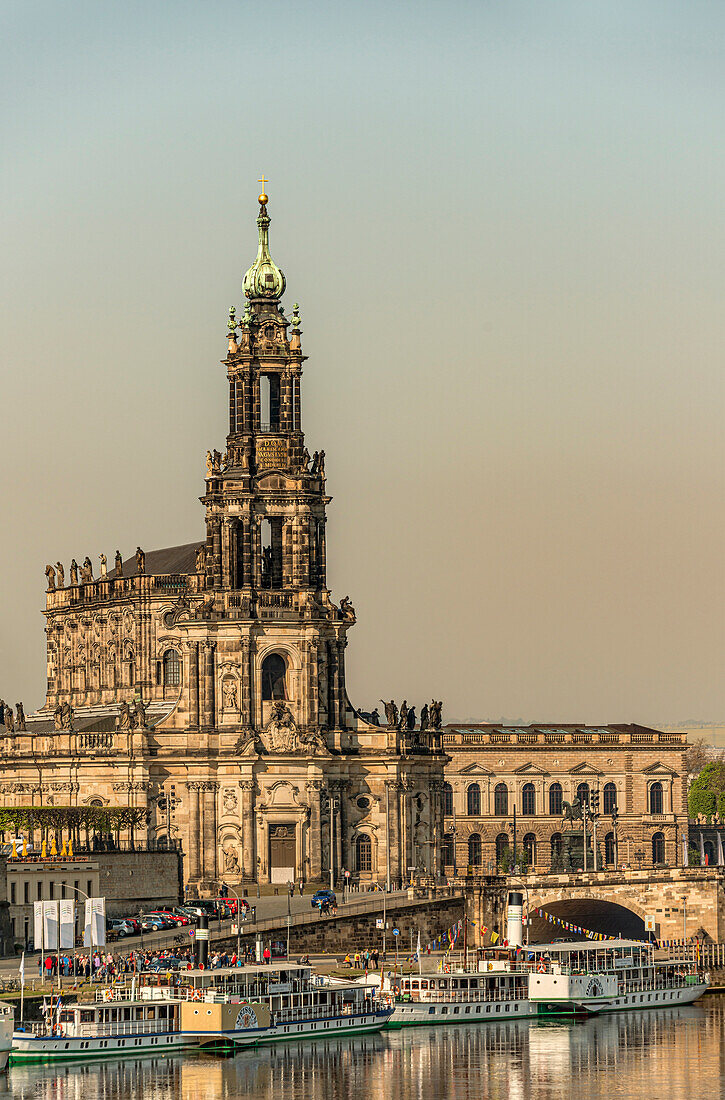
[(172, 559)]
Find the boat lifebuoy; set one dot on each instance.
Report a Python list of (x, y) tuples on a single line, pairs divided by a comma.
[(541, 968), (196, 996), (446, 969)]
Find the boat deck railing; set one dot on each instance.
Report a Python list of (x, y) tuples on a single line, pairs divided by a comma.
[(98, 1030), (463, 996)]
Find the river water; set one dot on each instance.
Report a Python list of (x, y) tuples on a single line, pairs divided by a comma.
[(655, 1055)]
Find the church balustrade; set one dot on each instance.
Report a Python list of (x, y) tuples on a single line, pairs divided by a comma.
[(113, 587), (94, 742)]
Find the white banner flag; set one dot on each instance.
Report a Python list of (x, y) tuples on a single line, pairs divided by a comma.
[(67, 923), (38, 925), (50, 925), (95, 930)]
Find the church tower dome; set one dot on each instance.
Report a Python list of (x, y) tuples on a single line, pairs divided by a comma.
[(264, 279)]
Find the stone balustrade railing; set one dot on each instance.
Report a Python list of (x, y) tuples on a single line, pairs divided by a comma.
[(110, 588)]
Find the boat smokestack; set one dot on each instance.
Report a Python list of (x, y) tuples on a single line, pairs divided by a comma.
[(515, 927)]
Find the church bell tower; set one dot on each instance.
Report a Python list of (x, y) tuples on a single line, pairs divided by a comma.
[(265, 505)]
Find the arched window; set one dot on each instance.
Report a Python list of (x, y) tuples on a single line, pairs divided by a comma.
[(172, 668), (709, 853), (474, 850), (364, 852), (582, 793), (555, 799), (555, 851), (447, 800), (609, 849), (658, 847), (530, 849), (274, 670), (447, 850), (655, 798), (502, 846), (528, 800), (609, 802), (501, 800), (474, 800)]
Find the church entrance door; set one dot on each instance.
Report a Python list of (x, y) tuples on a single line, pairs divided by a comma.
[(282, 853)]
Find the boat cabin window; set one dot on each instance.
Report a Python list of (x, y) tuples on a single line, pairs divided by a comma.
[(416, 985), (424, 984), (87, 1016)]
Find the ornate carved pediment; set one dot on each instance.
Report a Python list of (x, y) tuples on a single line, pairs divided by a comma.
[(475, 769), (530, 769), (584, 769), (658, 768)]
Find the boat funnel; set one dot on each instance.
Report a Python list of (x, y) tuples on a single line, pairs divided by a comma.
[(515, 929)]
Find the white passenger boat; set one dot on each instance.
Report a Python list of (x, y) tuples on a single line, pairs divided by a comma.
[(241, 1006), (580, 977), (7, 1023), (214, 1009), (136, 1019)]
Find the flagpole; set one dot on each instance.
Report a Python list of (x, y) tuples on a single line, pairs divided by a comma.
[(22, 985)]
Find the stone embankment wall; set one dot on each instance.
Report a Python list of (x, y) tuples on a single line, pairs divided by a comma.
[(131, 881), (346, 932)]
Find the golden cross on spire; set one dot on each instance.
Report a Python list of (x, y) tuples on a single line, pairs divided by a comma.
[(263, 197)]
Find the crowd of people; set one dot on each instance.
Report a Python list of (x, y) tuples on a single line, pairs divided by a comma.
[(105, 966)]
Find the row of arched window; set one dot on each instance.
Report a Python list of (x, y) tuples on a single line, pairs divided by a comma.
[(503, 843), (528, 799), (274, 670)]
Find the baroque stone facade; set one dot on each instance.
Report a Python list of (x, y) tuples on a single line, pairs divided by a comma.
[(495, 772), (205, 683)]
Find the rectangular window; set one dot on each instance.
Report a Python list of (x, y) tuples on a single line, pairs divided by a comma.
[(40, 891), (51, 890), (62, 889), (89, 887), (12, 893)]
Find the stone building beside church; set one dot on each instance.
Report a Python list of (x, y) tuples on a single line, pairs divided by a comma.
[(205, 683), (501, 779)]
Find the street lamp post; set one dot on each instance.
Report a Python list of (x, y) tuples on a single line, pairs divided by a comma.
[(615, 823)]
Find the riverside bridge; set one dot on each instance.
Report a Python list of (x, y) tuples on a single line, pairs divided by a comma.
[(681, 902)]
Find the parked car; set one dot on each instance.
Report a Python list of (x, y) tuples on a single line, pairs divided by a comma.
[(322, 896)]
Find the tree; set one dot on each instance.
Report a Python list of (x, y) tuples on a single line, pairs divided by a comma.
[(699, 753), (707, 792)]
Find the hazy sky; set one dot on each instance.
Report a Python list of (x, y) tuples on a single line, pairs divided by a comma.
[(504, 224)]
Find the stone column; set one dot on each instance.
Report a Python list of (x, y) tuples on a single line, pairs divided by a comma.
[(340, 689), (314, 841), (249, 867), (226, 554), (246, 564), (313, 703), (322, 581), (393, 827), (257, 551), (194, 831), (208, 832), (217, 552), (193, 682), (332, 708), (246, 700), (208, 711), (297, 403)]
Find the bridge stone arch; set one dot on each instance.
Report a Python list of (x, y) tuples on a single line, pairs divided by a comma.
[(682, 901), (595, 914)]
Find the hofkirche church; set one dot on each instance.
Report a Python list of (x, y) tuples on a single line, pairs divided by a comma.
[(206, 682), (205, 685)]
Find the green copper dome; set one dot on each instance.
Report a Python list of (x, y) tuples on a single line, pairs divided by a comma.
[(264, 279)]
